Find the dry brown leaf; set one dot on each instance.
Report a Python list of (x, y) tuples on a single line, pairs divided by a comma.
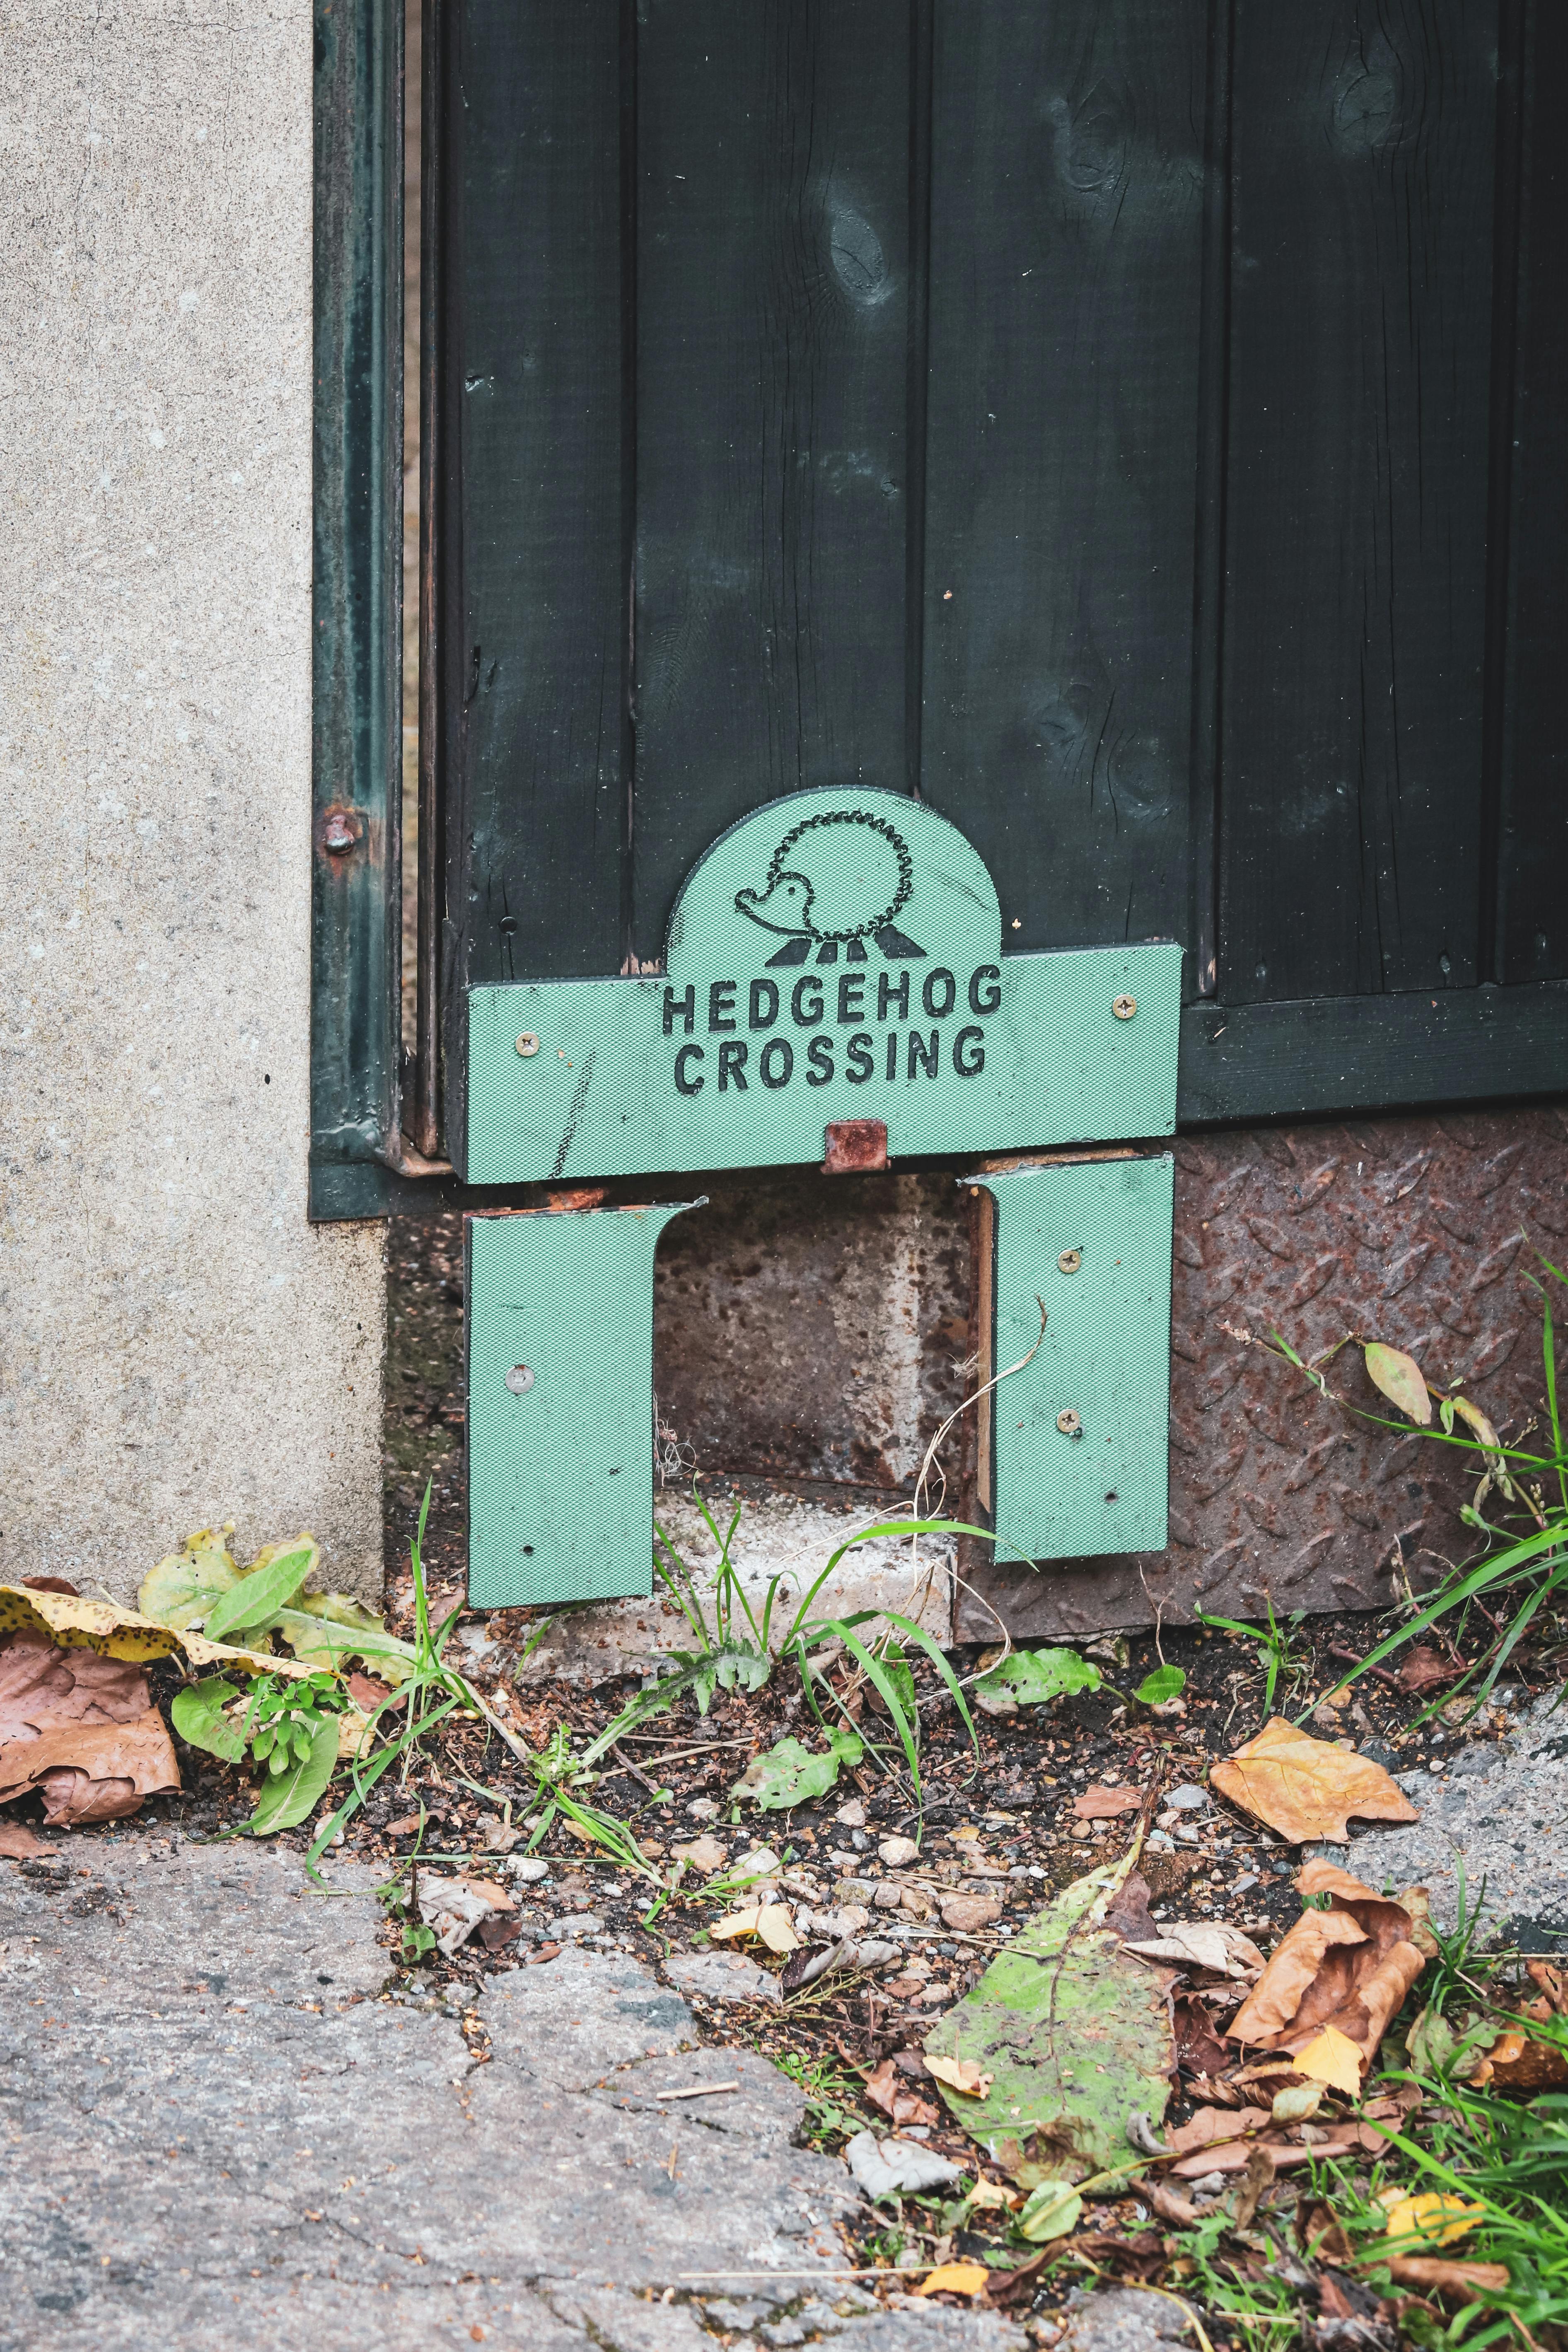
[(885, 2089), (966, 2075), (18, 1843), (42, 1683), (1211, 2126), (1205, 1944), (1424, 1670), (1516, 2063), (92, 1772), (1257, 2180), (1198, 2045), (1104, 1804), (1464, 2281), (1308, 1789), (1349, 1967)]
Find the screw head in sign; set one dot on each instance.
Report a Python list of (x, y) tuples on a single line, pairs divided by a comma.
[(520, 1380), (1125, 1007), (1068, 1423), (1070, 1260), (527, 1044)]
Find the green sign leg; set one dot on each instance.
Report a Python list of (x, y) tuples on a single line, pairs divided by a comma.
[(1077, 1441), (561, 1404)]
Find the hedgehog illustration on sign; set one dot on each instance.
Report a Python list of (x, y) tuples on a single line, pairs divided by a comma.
[(836, 880)]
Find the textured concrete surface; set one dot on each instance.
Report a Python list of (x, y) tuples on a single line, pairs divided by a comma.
[(790, 1536), (1493, 1825), (216, 2131), (181, 1345)]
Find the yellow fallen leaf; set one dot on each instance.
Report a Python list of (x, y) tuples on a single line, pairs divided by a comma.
[(774, 1927), (956, 2278), (1308, 1789), (115, 1632), (1433, 2218), (1297, 2103), (736, 1922), (988, 2195), (1331, 2057), (963, 2074)]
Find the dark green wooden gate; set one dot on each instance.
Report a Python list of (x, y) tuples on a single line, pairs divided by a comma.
[(1135, 428)]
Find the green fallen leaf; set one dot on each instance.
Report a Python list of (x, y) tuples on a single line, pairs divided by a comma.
[(198, 1716), (1166, 1683), (790, 1774), (271, 1580), (1049, 2211), (183, 1588), (1400, 1378), (1031, 1677), (1076, 2033), (327, 1629), (292, 1796)]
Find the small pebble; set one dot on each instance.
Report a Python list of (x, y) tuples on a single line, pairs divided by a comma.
[(1188, 1799)]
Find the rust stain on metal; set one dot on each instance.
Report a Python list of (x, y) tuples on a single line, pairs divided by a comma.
[(855, 1146), (1421, 1231)]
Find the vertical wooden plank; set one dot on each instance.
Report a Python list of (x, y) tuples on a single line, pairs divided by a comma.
[(772, 236), (1533, 856), (1356, 528), (1065, 241), (357, 606), (531, 602)]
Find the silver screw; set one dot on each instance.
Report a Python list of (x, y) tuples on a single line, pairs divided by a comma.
[(520, 1380), (1071, 1261), (527, 1044), (1068, 1423), (1125, 1007)]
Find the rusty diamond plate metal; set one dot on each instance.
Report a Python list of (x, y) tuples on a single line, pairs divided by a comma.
[(1421, 1231)]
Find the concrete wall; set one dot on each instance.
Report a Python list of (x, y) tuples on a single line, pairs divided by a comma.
[(176, 1343)]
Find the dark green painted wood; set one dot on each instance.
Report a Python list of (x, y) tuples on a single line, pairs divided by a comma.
[(1066, 251), (1334, 1053), (1533, 854), (559, 1358), (357, 594), (772, 491), (1080, 1290), (531, 602), (1356, 527)]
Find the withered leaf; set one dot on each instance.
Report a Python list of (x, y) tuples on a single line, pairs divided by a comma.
[(1308, 1789), (92, 1772), (1424, 1670), (1349, 1967), (1465, 2281), (18, 1843), (1099, 1804), (40, 1682)]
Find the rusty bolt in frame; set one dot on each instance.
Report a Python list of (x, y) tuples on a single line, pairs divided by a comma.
[(341, 830), (1068, 1423), (1125, 1007)]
